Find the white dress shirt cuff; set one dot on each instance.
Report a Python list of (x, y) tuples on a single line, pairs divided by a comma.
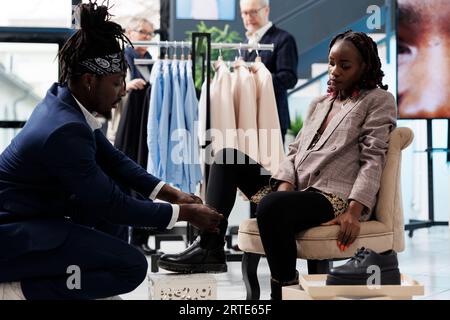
[(175, 213), (156, 190)]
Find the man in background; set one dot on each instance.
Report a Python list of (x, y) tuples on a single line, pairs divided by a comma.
[(282, 62)]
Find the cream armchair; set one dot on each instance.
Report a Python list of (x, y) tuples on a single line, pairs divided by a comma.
[(318, 245)]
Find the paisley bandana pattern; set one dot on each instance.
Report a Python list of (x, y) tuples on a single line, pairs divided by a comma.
[(106, 65)]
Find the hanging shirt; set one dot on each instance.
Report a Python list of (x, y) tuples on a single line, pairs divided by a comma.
[(164, 120), (222, 113), (192, 123), (177, 147), (244, 96), (182, 77), (270, 143), (156, 98)]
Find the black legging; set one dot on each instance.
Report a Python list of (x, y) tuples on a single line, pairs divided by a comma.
[(280, 215)]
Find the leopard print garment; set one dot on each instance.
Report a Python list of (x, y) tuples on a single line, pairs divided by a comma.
[(339, 204)]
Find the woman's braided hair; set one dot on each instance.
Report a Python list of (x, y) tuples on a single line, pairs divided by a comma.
[(373, 76), (97, 36)]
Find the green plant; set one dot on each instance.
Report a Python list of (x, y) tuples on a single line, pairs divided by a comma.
[(296, 125), (217, 36)]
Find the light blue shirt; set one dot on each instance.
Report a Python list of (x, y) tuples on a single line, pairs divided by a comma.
[(191, 115), (177, 138), (154, 115), (164, 121)]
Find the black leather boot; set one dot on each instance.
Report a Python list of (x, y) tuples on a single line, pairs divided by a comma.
[(358, 269), (276, 286), (195, 259)]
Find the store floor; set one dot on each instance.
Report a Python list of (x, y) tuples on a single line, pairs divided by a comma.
[(426, 259)]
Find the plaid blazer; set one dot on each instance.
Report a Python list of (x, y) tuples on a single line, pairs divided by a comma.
[(349, 157)]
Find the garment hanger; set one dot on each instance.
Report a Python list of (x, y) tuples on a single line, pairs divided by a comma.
[(174, 57), (182, 51), (258, 57), (166, 56)]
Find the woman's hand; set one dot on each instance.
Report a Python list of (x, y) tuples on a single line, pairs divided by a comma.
[(136, 84), (350, 227), (286, 186)]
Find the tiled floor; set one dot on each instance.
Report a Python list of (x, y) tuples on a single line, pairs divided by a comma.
[(426, 259)]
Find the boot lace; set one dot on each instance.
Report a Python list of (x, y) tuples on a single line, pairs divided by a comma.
[(360, 254)]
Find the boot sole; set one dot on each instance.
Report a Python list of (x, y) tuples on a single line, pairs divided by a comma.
[(192, 268), (388, 277)]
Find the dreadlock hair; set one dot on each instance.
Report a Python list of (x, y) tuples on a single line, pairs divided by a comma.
[(97, 36), (368, 49)]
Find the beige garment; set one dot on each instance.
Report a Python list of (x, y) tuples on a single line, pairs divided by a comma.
[(271, 151), (244, 96), (223, 119), (349, 157)]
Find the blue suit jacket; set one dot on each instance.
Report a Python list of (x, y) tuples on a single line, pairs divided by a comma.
[(282, 63), (57, 167)]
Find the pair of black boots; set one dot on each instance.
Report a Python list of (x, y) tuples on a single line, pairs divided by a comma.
[(367, 267)]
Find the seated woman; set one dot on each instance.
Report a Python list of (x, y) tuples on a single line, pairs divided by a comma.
[(330, 176)]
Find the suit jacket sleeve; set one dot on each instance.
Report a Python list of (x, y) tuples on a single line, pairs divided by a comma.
[(70, 156), (122, 169), (373, 143), (285, 76)]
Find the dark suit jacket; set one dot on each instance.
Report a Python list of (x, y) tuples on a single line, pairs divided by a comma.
[(282, 63), (57, 167)]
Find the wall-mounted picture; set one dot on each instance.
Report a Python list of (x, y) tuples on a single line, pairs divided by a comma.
[(206, 9), (424, 59)]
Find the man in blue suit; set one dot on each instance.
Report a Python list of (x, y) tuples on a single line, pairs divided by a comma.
[(282, 62), (60, 183)]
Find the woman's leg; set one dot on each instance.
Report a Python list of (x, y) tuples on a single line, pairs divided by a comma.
[(280, 216), (231, 170), (108, 267)]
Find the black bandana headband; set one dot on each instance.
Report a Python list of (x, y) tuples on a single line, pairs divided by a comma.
[(102, 66)]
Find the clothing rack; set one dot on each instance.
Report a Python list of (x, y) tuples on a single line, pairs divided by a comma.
[(141, 62), (188, 45), (206, 72)]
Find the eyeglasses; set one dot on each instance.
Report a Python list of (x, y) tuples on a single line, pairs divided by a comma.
[(147, 33), (251, 13)]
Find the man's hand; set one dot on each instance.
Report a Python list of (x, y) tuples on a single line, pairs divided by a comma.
[(201, 216), (286, 186), (174, 196), (349, 223), (187, 198), (136, 84)]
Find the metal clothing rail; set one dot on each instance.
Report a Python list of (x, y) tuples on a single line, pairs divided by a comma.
[(186, 44), (144, 61)]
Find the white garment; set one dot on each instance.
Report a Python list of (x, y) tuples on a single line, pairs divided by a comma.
[(93, 123), (223, 117), (11, 291), (271, 151), (244, 96)]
